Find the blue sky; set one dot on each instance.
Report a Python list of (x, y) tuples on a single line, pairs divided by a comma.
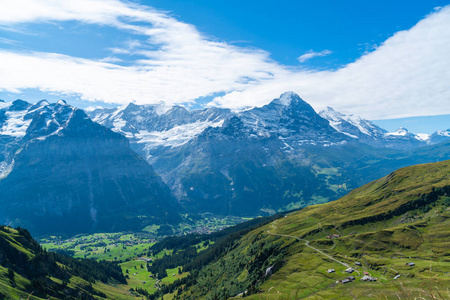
[(287, 28), (377, 59)]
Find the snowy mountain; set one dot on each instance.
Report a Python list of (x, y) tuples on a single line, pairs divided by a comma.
[(366, 132), (150, 127), (293, 120), (439, 136), (351, 125), (279, 156), (61, 172)]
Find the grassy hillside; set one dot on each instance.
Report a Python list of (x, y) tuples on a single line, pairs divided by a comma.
[(29, 272), (378, 228)]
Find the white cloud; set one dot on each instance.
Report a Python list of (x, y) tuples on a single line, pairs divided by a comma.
[(310, 54), (407, 75)]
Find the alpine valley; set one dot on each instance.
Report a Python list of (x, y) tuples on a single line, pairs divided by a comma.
[(108, 187), (65, 170)]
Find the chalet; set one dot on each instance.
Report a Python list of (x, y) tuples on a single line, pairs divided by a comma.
[(346, 280), (366, 273), (335, 236), (358, 263), (410, 264), (368, 278), (350, 270), (330, 271), (328, 236), (397, 276)]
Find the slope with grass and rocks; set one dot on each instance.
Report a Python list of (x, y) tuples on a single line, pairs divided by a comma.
[(392, 233), (29, 272)]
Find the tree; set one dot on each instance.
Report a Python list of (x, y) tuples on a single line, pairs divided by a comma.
[(11, 276)]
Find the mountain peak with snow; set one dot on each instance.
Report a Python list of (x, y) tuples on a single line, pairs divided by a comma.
[(287, 97), (402, 131), (352, 125)]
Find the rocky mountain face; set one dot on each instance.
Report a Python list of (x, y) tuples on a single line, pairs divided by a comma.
[(152, 127), (61, 172), (279, 156), (57, 164)]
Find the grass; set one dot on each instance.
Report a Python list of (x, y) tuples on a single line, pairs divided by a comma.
[(127, 249), (383, 245), (403, 217)]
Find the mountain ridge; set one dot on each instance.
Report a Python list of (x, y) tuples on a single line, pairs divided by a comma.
[(78, 176)]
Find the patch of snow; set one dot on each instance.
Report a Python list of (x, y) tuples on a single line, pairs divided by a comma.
[(176, 136), (5, 169), (15, 125), (119, 124), (335, 119), (443, 132), (286, 98), (350, 135), (423, 136), (5, 104), (400, 132), (162, 108)]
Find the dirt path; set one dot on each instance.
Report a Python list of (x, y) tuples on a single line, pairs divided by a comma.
[(308, 245)]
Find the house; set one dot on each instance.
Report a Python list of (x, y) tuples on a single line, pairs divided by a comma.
[(397, 276), (335, 236), (330, 271), (328, 236), (350, 270), (346, 280), (366, 273), (368, 278), (411, 264), (358, 263)]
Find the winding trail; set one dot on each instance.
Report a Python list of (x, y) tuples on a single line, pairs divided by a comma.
[(308, 245)]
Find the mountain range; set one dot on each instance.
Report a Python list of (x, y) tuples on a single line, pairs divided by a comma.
[(280, 156), (62, 168), (64, 173)]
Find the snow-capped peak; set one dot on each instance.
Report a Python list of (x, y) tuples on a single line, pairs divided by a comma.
[(161, 108), (423, 136), (286, 98), (350, 124), (61, 102), (443, 132), (330, 114), (42, 103), (402, 131)]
